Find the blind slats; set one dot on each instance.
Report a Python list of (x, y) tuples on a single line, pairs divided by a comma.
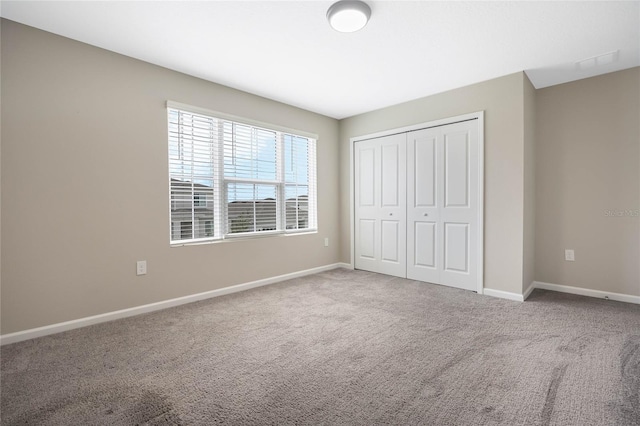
[(229, 179)]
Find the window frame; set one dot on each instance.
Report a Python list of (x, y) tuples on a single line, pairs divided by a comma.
[(219, 192)]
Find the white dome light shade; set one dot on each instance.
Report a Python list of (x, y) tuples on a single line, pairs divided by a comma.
[(348, 16)]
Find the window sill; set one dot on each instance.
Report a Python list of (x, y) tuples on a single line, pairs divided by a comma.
[(237, 238)]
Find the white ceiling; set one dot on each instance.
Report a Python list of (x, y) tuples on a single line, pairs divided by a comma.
[(285, 50)]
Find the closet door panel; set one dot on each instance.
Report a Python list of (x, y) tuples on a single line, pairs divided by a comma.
[(456, 247), (366, 177), (424, 171), (390, 175), (390, 237), (456, 169), (367, 237), (393, 209), (380, 205), (424, 253), (458, 213), (423, 258)]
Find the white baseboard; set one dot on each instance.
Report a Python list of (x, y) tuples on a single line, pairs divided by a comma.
[(124, 313), (562, 289), (588, 292), (503, 294), (527, 292)]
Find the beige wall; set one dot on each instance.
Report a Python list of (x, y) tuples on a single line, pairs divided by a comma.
[(502, 101), (588, 162), (85, 184), (529, 184)]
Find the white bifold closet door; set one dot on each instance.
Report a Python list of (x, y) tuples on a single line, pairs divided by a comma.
[(442, 199), (381, 205), (416, 205)]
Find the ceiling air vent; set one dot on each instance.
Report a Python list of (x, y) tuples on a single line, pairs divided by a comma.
[(596, 61)]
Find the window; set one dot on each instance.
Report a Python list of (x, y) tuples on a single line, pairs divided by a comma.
[(208, 228), (230, 179), (200, 200)]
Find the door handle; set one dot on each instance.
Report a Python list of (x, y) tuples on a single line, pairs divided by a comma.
[(426, 214)]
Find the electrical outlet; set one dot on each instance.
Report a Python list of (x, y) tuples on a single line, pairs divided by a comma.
[(569, 255), (141, 267), (326, 242)]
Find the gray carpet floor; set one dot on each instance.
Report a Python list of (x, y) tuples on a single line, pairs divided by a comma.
[(340, 347)]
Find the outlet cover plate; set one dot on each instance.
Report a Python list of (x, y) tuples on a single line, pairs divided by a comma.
[(141, 267), (569, 255)]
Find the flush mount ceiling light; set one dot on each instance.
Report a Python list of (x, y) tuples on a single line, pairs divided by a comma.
[(348, 16)]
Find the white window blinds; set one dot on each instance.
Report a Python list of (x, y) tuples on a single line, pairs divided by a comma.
[(193, 187), (230, 179), (299, 181)]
